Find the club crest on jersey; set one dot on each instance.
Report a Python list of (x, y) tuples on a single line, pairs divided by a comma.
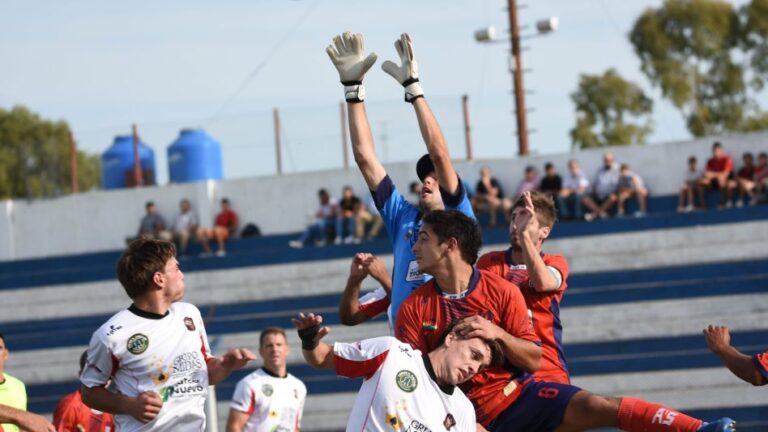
[(406, 380), (189, 323), (449, 422), (267, 390), (429, 326), (137, 344)]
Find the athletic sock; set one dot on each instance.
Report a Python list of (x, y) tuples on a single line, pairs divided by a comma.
[(637, 415)]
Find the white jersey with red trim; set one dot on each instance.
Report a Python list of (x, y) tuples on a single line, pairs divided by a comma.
[(140, 352), (399, 392), (274, 403)]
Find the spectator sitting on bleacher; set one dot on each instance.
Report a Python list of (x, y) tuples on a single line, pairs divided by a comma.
[(574, 190), (415, 190), (761, 177), (153, 225), (551, 184), (603, 189), (324, 221), (745, 181), (631, 186), (716, 175), (690, 184), (529, 183), (185, 226), (368, 215), (349, 207), (225, 226), (490, 196)]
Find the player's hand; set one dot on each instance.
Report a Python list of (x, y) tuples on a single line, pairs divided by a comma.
[(358, 270), (407, 74), (145, 406), (237, 358), (347, 54), (526, 223), (303, 322), (718, 338), (376, 268), (477, 326)]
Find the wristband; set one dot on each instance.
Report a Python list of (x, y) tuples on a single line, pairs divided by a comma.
[(354, 91), (413, 90), (307, 337)]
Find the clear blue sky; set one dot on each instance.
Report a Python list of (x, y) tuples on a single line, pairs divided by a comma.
[(174, 64)]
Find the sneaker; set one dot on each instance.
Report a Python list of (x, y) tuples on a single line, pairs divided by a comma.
[(739, 204), (589, 217), (221, 253), (681, 209), (723, 425), (729, 204), (296, 244), (689, 208), (638, 214), (349, 239), (337, 240)]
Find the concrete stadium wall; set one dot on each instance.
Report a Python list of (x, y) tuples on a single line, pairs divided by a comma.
[(101, 220)]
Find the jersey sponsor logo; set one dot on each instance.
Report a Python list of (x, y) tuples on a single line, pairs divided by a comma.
[(137, 344), (414, 274), (189, 323), (185, 387), (429, 326), (186, 362), (406, 380), (449, 421), (417, 426), (113, 329), (267, 389)]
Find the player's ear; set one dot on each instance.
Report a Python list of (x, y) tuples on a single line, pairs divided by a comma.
[(452, 243), (158, 279), (545, 232)]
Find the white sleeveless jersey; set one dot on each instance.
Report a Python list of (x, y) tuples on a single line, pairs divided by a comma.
[(399, 392), (273, 403), (167, 355)]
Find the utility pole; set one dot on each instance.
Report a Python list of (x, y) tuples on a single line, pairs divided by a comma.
[(517, 79), (73, 163), (467, 127), (137, 177), (278, 150)]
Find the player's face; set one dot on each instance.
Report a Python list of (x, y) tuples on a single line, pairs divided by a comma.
[(428, 249), (464, 358), (274, 351), (174, 280), (430, 194), (3, 354)]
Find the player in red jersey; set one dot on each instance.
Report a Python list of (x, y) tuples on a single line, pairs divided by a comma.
[(753, 370), (489, 307), (353, 309), (72, 415), (542, 277)]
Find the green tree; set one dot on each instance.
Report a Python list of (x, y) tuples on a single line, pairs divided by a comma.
[(609, 111), (34, 157), (694, 50)]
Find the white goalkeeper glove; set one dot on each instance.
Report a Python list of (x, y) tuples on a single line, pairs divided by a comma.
[(407, 73), (346, 53)]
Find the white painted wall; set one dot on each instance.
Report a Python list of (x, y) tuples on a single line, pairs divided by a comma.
[(98, 221)]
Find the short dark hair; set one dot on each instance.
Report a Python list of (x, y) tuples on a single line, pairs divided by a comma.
[(692, 159), (748, 155), (322, 191), (268, 331), (2, 336), (544, 206), (716, 144), (139, 263), (497, 354), (83, 359), (455, 224), (225, 200), (148, 204), (548, 165), (762, 155), (530, 168)]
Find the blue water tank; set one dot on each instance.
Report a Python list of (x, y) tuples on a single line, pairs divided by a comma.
[(194, 156), (117, 164)]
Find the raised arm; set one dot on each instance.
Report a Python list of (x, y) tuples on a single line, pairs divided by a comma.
[(543, 278), (407, 74), (349, 307), (347, 55), (719, 342), (219, 368), (317, 354)]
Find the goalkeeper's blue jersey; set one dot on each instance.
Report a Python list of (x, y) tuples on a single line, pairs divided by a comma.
[(403, 222)]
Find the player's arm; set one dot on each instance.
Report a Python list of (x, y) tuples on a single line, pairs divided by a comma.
[(519, 352), (349, 308), (25, 420), (317, 354), (543, 278), (143, 407), (407, 74), (347, 55), (219, 368), (719, 342), (236, 420), (375, 267)]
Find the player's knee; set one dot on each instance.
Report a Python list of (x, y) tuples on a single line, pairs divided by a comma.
[(597, 405)]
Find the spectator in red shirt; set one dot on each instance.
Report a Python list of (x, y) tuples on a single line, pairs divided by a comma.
[(224, 227), (72, 415), (745, 181), (716, 176)]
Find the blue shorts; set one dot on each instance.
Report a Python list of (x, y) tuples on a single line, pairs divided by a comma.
[(539, 408)]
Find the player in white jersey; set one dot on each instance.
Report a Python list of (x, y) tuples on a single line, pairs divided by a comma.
[(269, 399), (403, 389), (154, 355)]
